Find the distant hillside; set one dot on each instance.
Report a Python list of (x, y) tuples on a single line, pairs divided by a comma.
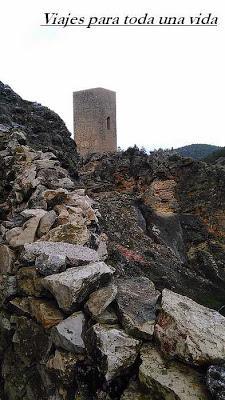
[(217, 156), (197, 151)]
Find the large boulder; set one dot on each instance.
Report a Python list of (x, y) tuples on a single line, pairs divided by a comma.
[(136, 301), (51, 257), (112, 348), (68, 333), (73, 286), (170, 381), (189, 331)]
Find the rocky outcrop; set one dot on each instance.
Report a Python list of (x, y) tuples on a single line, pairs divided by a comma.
[(84, 266), (42, 128), (164, 218)]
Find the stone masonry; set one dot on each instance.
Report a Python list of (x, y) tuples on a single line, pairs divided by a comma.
[(95, 121)]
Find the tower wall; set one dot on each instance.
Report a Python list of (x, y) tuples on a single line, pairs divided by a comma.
[(95, 121)]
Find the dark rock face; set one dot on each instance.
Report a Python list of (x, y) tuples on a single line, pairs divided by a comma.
[(43, 128), (216, 381), (164, 217)]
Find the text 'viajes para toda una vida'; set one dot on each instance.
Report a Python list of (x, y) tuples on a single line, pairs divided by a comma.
[(201, 19)]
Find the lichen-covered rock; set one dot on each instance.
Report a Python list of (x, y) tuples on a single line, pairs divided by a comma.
[(29, 282), (7, 258), (73, 286), (30, 351), (68, 333), (8, 287), (98, 301), (189, 331), (6, 331), (216, 381), (76, 233), (170, 381), (61, 365), (112, 348), (136, 301)]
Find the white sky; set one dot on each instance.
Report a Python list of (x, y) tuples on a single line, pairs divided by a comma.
[(169, 80)]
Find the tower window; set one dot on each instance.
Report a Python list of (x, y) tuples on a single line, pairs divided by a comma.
[(108, 122)]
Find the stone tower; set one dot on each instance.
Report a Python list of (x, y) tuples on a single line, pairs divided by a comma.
[(94, 113)]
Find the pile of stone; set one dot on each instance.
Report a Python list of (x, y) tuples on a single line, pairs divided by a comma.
[(71, 327)]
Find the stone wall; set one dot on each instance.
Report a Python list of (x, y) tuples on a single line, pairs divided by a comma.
[(95, 121)]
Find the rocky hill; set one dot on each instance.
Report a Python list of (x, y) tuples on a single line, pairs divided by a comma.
[(111, 285), (216, 157), (44, 129), (198, 151)]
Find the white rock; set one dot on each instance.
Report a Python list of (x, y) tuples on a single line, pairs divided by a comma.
[(190, 331), (68, 333), (112, 348)]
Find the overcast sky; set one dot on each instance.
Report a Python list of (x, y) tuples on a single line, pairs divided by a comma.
[(169, 80)]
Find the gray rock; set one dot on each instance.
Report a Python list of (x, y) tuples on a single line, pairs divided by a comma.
[(100, 299), (46, 223), (216, 381), (48, 265), (6, 259), (136, 301), (68, 333), (37, 200), (33, 212), (174, 381), (189, 331), (73, 286), (53, 257), (112, 348)]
